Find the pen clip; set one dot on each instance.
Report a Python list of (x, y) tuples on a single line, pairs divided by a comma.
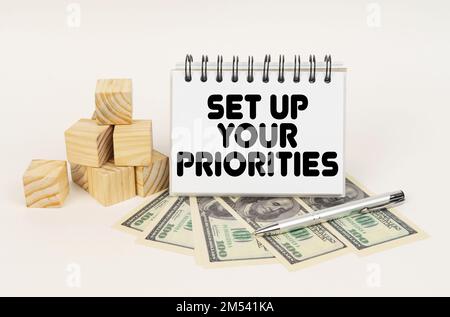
[(378, 207), (394, 200)]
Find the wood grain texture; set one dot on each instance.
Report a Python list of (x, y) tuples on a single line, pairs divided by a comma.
[(79, 175), (46, 184), (111, 184), (153, 178), (113, 101), (89, 144), (133, 144)]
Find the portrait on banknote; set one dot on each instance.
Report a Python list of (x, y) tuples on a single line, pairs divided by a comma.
[(212, 208), (352, 192), (267, 209)]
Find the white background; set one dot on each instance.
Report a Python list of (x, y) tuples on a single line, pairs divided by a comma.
[(396, 134)]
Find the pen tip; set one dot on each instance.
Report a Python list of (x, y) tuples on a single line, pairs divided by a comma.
[(266, 230)]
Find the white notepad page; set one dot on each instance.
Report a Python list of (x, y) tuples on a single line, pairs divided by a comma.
[(320, 129)]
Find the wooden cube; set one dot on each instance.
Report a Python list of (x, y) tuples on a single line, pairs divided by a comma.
[(133, 144), (46, 184), (111, 184), (89, 144), (153, 178), (79, 175), (113, 101)]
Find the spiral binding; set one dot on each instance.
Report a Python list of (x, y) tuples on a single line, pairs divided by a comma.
[(235, 69), (250, 76), (265, 76), (188, 68), (281, 69), (312, 68), (297, 64), (204, 73), (250, 69), (327, 60), (219, 76)]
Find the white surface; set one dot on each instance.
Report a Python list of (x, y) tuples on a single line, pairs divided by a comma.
[(396, 135), (320, 128)]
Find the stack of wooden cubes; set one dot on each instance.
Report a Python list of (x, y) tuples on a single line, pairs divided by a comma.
[(111, 155)]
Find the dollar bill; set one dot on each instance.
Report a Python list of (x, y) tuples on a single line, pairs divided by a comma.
[(141, 217), (172, 228), (365, 230), (296, 248), (221, 239)]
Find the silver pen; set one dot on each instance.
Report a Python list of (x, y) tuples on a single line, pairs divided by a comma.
[(358, 206)]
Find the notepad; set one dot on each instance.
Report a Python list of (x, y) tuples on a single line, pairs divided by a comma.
[(250, 129)]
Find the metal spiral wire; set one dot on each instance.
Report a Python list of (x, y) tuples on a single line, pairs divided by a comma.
[(265, 69), (204, 70), (265, 76), (219, 74), (235, 69), (312, 68), (250, 76), (297, 64), (188, 68), (281, 69), (327, 60)]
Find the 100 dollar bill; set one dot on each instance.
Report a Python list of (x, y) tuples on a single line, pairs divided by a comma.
[(141, 217), (171, 229), (366, 232), (221, 239), (296, 248)]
